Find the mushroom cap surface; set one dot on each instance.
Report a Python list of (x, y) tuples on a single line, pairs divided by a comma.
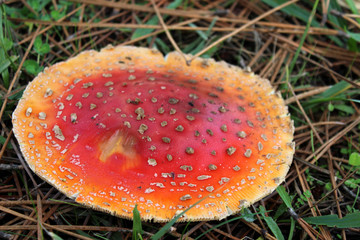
[(128, 126)]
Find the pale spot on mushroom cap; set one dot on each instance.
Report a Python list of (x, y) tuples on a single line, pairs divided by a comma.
[(132, 77), (210, 188), (222, 109), (203, 177), (224, 128), (152, 162), (109, 83), (87, 85), (172, 111), (173, 100), (28, 112), (186, 167), (92, 106), (107, 75), (149, 190), (250, 123), (212, 167), (179, 128), (69, 97), (79, 105), (140, 113), (161, 110), (127, 124), (190, 118), (264, 137), (236, 168), (42, 115), (241, 134), (58, 133), (231, 150), (166, 140), (189, 150), (169, 157), (248, 153), (210, 132), (142, 128), (73, 117), (185, 197), (48, 92)]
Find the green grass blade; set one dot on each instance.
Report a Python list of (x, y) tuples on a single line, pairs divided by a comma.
[(185, 229), (287, 200), (64, 202), (1, 20), (332, 94), (80, 232), (312, 140), (302, 14), (353, 8), (280, 210), (5, 73), (223, 223), (274, 228), (198, 48), (191, 46), (212, 24), (293, 10), (161, 45), (166, 228), (351, 220), (51, 234), (284, 196), (174, 4), (203, 35), (313, 102), (153, 21), (345, 108), (338, 21), (5, 63), (3, 140), (356, 198), (335, 90), (355, 100), (303, 37), (144, 31), (355, 36), (272, 225), (137, 227), (292, 228), (54, 236)]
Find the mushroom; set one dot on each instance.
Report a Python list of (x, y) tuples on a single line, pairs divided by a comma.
[(127, 126)]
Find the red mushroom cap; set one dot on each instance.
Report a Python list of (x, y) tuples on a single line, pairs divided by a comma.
[(127, 126)]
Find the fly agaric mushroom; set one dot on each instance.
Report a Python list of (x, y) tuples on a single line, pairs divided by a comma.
[(127, 126)]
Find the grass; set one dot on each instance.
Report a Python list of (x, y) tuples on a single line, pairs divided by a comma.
[(310, 52)]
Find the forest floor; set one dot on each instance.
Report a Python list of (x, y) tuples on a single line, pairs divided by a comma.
[(309, 51)]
